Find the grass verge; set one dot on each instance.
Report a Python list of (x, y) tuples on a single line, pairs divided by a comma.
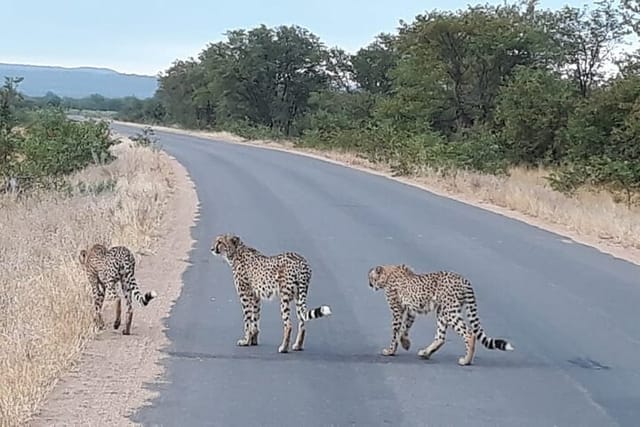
[(45, 303)]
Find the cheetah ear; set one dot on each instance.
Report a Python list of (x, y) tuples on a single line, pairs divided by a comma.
[(379, 270), (83, 256), (235, 240)]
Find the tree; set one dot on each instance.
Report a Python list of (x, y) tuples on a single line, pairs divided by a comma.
[(176, 90), (532, 111), (588, 39), (372, 65), (9, 98), (454, 63), (631, 14)]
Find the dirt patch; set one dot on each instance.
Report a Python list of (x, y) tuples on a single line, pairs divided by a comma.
[(108, 382), (592, 219)]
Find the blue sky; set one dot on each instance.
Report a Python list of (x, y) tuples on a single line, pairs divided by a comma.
[(143, 36)]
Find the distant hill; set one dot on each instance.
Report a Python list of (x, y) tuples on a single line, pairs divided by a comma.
[(79, 82)]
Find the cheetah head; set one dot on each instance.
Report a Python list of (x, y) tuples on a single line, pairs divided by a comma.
[(381, 275), (96, 250), (225, 245)]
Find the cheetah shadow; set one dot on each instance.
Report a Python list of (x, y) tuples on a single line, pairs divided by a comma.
[(400, 359)]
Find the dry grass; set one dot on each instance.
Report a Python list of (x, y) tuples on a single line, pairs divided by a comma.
[(594, 214), (45, 305)]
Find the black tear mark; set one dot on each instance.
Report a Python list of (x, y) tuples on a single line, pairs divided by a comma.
[(587, 363)]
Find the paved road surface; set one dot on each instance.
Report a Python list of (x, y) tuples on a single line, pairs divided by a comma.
[(571, 312)]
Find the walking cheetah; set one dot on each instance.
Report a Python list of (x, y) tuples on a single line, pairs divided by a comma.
[(257, 276), (409, 294), (104, 268)]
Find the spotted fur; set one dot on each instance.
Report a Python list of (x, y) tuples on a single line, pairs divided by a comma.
[(257, 276), (444, 292), (104, 269)]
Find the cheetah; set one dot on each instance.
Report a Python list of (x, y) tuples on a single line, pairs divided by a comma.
[(257, 276), (409, 293), (104, 268)]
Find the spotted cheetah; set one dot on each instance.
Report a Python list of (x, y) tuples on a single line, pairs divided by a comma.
[(104, 268), (444, 292), (257, 276)]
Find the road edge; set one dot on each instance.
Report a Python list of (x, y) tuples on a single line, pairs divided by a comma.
[(103, 388)]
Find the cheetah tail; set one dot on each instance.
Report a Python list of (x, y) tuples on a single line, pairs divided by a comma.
[(315, 313), (478, 330), (143, 300)]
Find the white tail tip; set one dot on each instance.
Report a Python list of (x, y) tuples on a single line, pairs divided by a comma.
[(509, 347), (154, 294), (325, 310)]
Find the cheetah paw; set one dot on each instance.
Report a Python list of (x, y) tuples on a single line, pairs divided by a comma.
[(388, 352), (297, 347), (283, 349), (243, 342), (116, 324), (424, 353), (463, 361)]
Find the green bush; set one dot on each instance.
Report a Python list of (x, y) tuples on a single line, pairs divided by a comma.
[(477, 149), (532, 110), (54, 145), (249, 130)]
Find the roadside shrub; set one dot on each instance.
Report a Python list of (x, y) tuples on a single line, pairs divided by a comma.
[(54, 146)]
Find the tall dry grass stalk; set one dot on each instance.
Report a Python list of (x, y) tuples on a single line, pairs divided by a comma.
[(45, 304)]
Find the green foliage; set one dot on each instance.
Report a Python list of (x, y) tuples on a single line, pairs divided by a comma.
[(482, 88), (587, 38), (532, 110), (372, 65), (9, 102), (54, 146)]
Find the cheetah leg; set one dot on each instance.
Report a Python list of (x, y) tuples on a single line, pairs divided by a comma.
[(129, 315), (398, 316), (298, 345), (441, 333), (255, 322), (116, 323), (285, 310), (410, 317), (247, 314), (457, 322), (99, 300)]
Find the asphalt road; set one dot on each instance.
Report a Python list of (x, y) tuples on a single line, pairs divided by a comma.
[(570, 311)]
